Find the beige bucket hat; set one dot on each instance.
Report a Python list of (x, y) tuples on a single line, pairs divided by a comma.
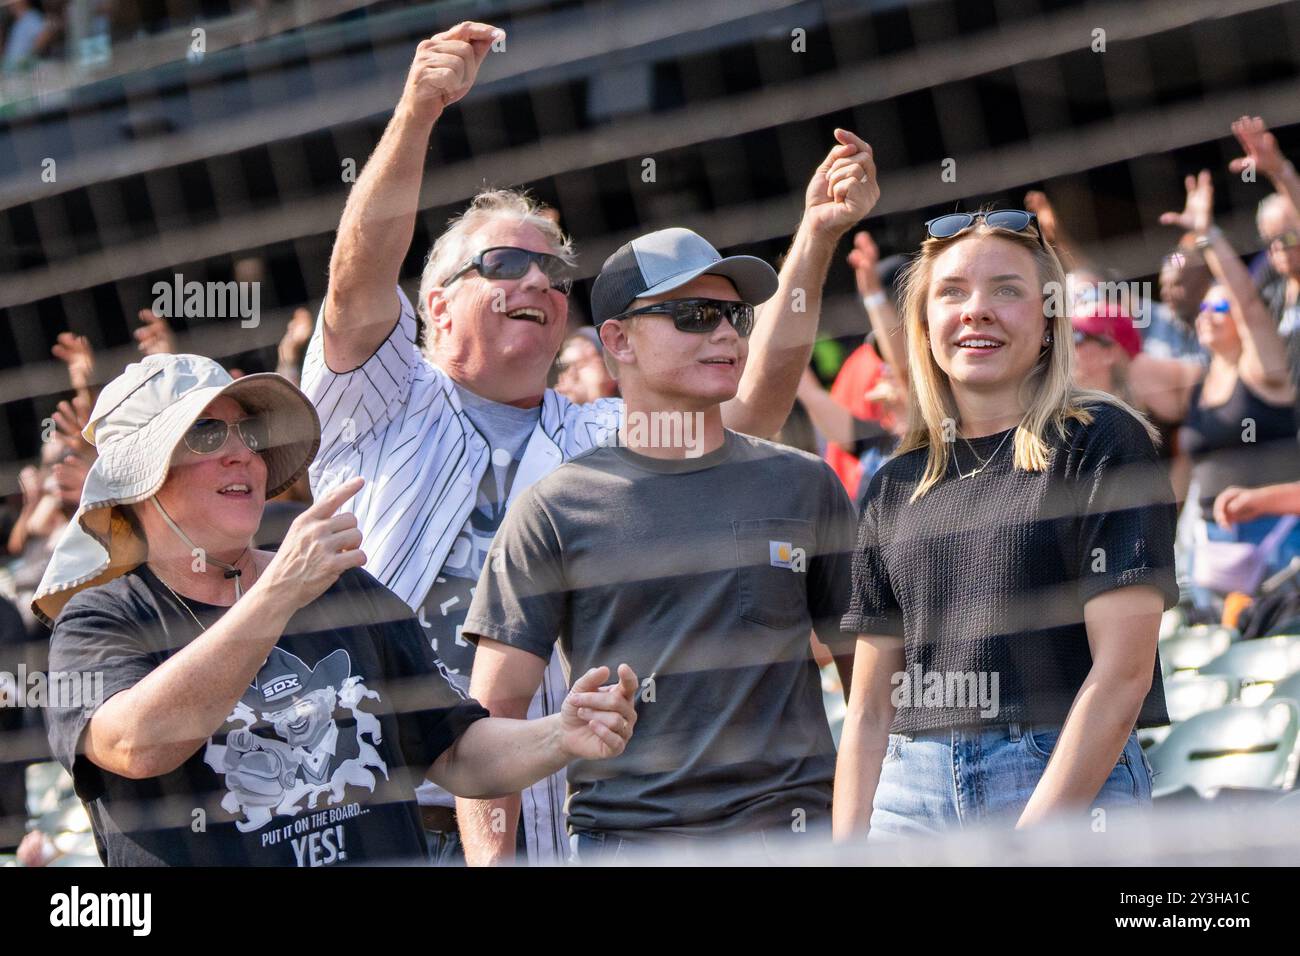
[(139, 419)]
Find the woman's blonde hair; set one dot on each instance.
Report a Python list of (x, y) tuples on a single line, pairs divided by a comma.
[(1048, 392)]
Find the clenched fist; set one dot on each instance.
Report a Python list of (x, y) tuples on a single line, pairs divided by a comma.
[(843, 189), (445, 67)]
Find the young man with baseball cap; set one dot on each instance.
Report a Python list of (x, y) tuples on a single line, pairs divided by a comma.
[(705, 573), (450, 424)]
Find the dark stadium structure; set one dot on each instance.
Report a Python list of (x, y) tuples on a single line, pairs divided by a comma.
[(167, 161)]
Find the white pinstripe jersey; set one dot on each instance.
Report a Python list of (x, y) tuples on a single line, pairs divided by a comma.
[(397, 421)]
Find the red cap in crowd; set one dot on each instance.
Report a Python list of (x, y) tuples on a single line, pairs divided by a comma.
[(1107, 322)]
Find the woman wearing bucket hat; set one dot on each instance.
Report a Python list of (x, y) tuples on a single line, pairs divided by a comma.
[(211, 693)]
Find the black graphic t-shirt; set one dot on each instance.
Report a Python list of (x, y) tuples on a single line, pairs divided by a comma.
[(315, 764)]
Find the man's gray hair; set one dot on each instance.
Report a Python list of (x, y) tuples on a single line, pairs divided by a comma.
[(456, 245), (1267, 205)]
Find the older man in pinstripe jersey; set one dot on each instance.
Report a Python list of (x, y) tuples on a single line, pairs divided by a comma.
[(449, 430)]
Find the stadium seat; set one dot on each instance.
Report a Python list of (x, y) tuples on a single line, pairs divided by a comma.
[(1232, 746), (1287, 687), (1187, 695), (1257, 664), (1172, 621), (1190, 648)]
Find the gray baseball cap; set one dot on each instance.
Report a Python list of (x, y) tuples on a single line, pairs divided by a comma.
[(659, 262)]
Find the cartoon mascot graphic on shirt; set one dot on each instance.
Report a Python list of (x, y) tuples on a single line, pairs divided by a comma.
[(309, 754)]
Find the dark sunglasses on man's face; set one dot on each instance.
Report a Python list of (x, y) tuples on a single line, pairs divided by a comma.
[(1015, 220), (509, 262), (701, 315), (1285, 239), (208, 435)]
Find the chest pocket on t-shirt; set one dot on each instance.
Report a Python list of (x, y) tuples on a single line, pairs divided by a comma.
[(772, 565)]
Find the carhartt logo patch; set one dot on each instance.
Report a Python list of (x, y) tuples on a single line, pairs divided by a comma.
[(783, 554)]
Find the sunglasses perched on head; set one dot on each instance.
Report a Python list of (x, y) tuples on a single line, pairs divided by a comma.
[(1015, 220), (510, 262), (208, 435), (700, 315)]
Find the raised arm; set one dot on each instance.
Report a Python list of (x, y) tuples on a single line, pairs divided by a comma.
[(75, 352), (1263, 363), (842, 191), (1263, 156), (379, 218), (1053, 229), (828, 416), (29, 480), (864, 260), (293, 344)]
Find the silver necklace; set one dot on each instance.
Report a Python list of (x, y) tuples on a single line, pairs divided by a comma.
[(185, 604), (187, 607), (983, 462)]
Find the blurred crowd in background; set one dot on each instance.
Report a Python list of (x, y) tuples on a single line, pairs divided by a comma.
[(35, 31), (1197, 357)]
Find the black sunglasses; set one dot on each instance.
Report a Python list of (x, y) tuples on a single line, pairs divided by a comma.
[(700, 315), (509, 262), (208, 435), (1015, 220)]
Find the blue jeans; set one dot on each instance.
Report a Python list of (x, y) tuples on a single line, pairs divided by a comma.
[(595, 846), (943, 780), (444, 848)]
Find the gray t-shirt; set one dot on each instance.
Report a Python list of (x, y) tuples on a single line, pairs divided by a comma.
[(506, 430), (706, 576)]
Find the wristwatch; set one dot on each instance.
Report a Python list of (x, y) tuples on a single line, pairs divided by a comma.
[(1203, 241)]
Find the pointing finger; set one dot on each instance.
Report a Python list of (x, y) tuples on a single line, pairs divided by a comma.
[(332, 500)]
